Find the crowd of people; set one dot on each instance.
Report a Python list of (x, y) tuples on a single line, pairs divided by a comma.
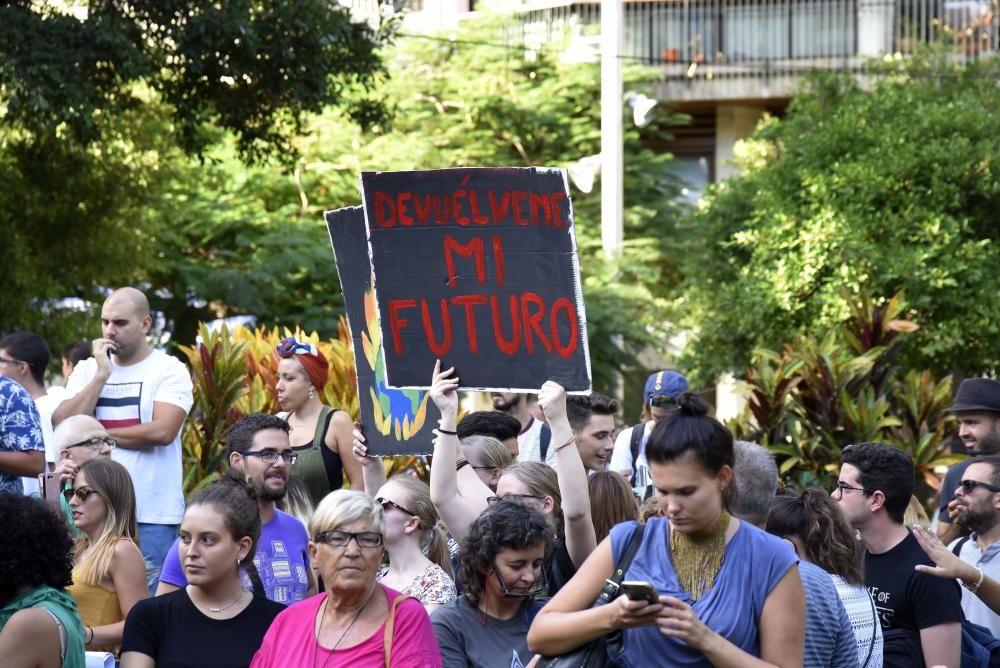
[(546, 532)]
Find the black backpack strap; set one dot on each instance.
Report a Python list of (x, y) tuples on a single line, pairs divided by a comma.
[(544, 438), (634, 443), (958, 546)]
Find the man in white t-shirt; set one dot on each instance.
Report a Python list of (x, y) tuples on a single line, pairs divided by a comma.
[(142, 397), (659, 399), (28, 356), (533, 430)]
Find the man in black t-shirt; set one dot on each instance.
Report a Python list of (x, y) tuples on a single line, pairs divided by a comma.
[(921, 615)]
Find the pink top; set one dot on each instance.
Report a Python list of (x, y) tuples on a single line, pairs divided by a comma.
[(291, 640)]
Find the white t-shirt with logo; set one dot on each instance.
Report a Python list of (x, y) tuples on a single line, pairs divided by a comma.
[(127, 400)]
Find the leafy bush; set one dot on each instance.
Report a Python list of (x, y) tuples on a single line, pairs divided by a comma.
[(815, 397)]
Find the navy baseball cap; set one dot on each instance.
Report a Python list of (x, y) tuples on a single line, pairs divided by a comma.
[(666, 386)]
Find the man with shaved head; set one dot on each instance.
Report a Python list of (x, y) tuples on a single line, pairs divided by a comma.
[(141, 396)]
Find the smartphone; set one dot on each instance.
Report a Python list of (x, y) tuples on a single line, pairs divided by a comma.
[(640, 591), (50, 487)]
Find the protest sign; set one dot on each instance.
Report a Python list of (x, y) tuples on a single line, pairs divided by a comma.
[(477, 267), (396, 422)]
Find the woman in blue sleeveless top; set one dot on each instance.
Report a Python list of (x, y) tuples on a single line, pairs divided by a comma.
[(729, 593)]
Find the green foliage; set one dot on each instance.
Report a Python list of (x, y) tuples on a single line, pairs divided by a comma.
[(815, 397), (219, 375), (253, 68), (891, 189), (234, 374)]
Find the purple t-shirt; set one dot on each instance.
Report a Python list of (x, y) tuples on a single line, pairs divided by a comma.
[(282, 561)]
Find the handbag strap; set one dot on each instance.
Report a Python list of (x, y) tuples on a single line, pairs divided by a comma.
[(875, 625), (612, 584), (390, 622)]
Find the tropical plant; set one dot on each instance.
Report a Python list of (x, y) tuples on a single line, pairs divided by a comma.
[(817, 396), (219, 375), (234, 374)]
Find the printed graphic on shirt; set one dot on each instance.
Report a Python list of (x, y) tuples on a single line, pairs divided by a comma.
[(515, 660), (285, 581), (885, 614), (118, 405)]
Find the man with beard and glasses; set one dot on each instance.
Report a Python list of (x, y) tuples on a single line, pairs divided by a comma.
[(535, 435), (977, 408), (977, 505), (258, 445), (500, 571)]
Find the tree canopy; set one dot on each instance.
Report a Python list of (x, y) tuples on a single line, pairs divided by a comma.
[(220, 233), (882, 189)]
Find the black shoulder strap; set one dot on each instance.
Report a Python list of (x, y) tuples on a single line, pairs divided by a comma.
[(635, 442), (544, 438), (611, 585), (958, 546)]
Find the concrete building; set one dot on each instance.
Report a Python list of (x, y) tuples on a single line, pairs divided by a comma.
[(727, 62)]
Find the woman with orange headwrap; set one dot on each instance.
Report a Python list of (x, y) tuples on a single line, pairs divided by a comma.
[(320, 435)]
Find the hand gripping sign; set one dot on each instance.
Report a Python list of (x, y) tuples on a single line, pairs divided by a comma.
[(477, 267)]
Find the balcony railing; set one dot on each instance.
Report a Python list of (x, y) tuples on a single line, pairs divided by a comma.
[(726, 38)]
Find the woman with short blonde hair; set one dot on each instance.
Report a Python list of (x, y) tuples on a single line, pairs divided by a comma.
[(356, 620)]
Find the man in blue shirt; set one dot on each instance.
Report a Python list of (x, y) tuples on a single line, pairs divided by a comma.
[(22, 450)]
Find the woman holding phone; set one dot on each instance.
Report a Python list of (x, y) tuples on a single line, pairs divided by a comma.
[(728, 594)]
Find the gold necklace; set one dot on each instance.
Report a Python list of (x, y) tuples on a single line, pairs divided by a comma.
[(697, 557)]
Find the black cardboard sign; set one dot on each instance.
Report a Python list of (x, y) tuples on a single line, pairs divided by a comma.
[(477, 267), (396, 422)]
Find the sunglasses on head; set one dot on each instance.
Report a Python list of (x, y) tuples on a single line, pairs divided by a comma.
[(289, 346)]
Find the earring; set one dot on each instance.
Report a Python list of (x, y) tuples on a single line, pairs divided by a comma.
[(311, 393)]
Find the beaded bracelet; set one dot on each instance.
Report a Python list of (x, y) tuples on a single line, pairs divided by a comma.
[(974, 588)]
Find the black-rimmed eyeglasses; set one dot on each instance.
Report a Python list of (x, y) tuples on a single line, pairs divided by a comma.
[(844, 487), (271, 456), (94, 443), (337, 538)]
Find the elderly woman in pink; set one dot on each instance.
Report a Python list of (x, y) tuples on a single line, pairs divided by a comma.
[(356, 621)]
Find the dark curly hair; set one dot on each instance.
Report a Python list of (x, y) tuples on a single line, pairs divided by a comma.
[(37, 548), (508, 524)]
